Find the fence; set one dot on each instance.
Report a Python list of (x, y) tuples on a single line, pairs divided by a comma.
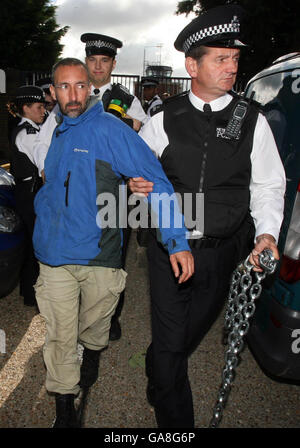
[(167, 85)]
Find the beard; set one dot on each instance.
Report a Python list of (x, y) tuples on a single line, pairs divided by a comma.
[(74, 112)]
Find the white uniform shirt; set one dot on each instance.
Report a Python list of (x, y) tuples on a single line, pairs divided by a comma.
[(267, 184), (135, 110), (43, 139), (25, 142)]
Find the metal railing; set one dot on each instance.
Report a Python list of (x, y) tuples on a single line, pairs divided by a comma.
[(131, 82), (168, 86)]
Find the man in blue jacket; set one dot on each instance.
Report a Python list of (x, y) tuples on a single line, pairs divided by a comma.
[(79, 255)]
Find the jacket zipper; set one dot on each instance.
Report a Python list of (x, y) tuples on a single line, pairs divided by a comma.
[(66, 184)]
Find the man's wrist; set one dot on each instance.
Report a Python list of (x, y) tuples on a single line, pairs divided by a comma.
[(265, 236)]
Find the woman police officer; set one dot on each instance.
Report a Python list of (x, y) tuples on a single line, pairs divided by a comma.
[(29, 105)]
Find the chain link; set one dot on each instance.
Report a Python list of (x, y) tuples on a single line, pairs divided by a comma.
[(240, 308)]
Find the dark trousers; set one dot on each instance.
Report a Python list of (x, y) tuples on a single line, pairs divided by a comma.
[(30, 268), (181, 316)]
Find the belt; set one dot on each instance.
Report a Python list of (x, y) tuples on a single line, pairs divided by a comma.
[(206, 242)]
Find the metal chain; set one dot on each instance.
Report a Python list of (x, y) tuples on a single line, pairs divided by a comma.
[(240, 308)]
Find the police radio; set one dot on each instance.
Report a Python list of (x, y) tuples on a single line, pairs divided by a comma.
[(235, 123), (118, 104)]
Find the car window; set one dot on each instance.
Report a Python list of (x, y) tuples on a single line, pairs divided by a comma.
[(279, 96)]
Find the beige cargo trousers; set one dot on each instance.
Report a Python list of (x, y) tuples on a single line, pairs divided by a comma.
[(77, 303)]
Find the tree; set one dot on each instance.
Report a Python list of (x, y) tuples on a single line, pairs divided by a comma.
[(271, 30), (29, 35)]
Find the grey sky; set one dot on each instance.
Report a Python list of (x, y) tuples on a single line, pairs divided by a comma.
[(148, 29)]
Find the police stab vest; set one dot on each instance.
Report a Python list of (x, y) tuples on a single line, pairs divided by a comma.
[(21, 167), (200, 158)]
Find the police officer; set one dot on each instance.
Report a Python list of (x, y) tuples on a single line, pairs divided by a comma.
[(150, 94), (238, 172), (100, 59), (29, 104)]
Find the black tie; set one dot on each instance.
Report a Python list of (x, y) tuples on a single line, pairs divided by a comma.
[(96, 91), (207, 109)]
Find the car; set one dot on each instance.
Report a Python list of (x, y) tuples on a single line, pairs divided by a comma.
[(12, 238), (274, 335)]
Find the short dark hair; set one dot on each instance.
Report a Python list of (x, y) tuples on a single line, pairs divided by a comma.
[(197, 53), (67, 62)]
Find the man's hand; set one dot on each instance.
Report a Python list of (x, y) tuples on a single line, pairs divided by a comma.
[(140, 186), (264, 241), (136, 123), (43, 176), (185, 260)]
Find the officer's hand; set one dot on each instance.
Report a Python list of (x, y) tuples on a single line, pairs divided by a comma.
[(140, 186), (264, 241), (43, 176), (185, 260)]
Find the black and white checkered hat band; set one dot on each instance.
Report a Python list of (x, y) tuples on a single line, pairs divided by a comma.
[(101, 44), (210, 31), (34, 97)]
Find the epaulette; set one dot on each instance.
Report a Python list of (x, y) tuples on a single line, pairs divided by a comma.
[(30, 129), (156, 109), (123, 88), (175, 97), (176, 104)]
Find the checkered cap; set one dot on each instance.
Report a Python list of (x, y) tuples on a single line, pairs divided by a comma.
[(30, 94), (100, 44), (220, 26)]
